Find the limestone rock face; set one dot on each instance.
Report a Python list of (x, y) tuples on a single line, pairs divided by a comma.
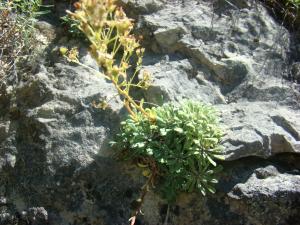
[(57, 168), (231, 55), (174, 81), (270, 191), (51, 135), (259, 129), (236, 44)]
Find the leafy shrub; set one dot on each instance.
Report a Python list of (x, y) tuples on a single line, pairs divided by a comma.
[(179, 149)]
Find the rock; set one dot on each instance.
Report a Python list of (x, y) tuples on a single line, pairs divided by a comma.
[(4, 130), (60, 113), (37, 216), (3, 201), (169, 37), (263, 173), (34, 216), (4, 100), (6, 219), (56, 134), (249, 192), (47, 32), (87, 59), (271, 197), (7, 160), (175, 81), (259, 129), (145, 6), (241, 49), (295, 72), (56, 166)]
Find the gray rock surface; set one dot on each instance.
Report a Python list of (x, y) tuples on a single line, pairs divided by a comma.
[(250, 191), (175, 81), (259, 129), (225, 54), (55, 164), (246, 56), (295, 72), (275, 194)]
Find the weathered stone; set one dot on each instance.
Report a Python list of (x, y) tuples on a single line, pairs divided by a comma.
[(57, 128), (267, 195), (259, 129), (249, 192), (295, 72), (144, 6), (233, 41), (55, 162), (175, 81), (7, 160), (37, 216)]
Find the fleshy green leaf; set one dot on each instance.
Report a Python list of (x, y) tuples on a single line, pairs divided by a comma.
[(184, 143)]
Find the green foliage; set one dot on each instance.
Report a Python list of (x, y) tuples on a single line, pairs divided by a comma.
[(295, 2), (27, 11), (286, 11), (183, 143), (292, 9), (28, 8), (71, 26)]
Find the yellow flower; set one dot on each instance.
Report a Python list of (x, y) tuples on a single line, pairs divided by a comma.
[(115, 71), (120, 14), (140, 52), (101, 105), (108, 29), (63, 51), (73, 55), (124, 65), (146, 81)]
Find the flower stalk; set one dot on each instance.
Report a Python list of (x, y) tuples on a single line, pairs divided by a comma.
[(113, 46)]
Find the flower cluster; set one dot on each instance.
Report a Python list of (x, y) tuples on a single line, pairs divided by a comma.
[(112, 45)]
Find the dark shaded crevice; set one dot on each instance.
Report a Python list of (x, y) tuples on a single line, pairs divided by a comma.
[(266, 141)]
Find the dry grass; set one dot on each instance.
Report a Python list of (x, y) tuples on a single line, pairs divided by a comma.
[(16, 34), (10, 43), (285, 11)]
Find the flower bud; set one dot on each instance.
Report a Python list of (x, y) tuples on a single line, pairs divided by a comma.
[(77, 5)]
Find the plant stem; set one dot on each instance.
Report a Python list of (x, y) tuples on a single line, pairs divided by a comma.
[(145, 190), (167, 215)]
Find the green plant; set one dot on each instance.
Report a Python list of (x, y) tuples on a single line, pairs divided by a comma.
[(17, 18), (292, 9), (71, 25), (175, 145), (286, 11), (295, 2), (29, 8), (178, 151)]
